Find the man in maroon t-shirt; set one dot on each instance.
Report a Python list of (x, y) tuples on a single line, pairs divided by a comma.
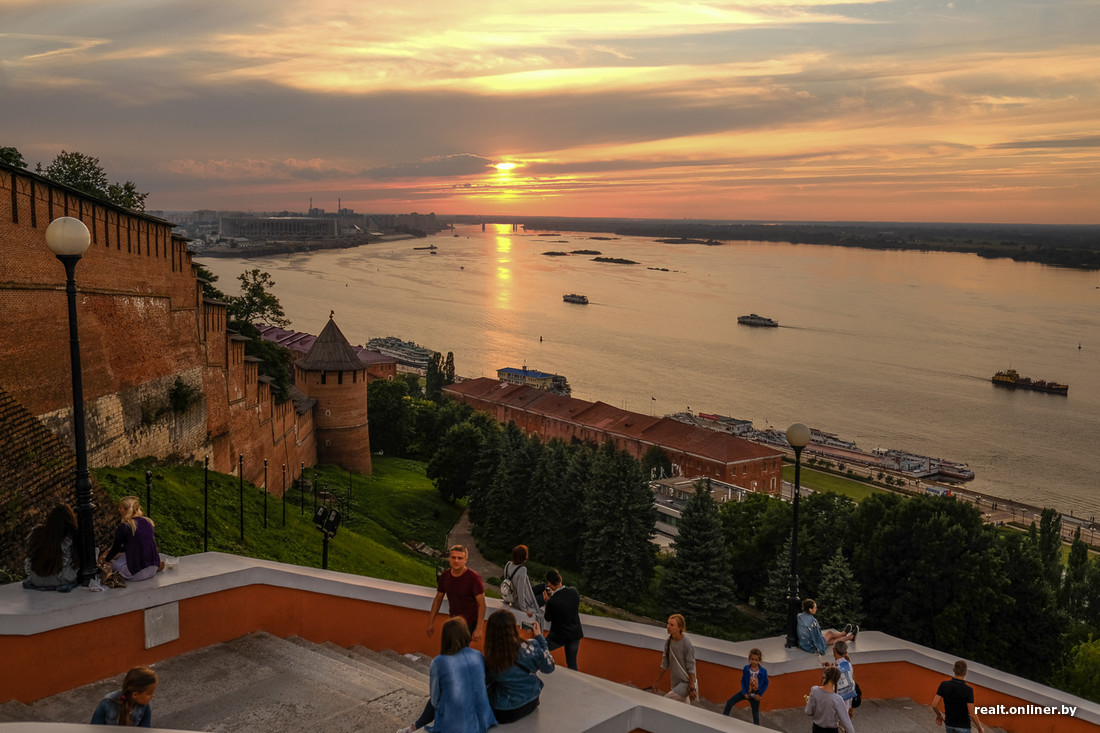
[(465, 594)]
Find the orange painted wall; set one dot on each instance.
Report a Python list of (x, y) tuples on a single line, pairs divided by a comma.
[(111, 646)]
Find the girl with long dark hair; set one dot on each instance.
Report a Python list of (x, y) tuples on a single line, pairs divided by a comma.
[(511, 665), (52, 560)]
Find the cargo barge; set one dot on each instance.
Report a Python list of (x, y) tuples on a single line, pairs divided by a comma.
[(1012, 380)]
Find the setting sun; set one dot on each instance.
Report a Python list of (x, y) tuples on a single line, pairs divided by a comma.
[(504, 166)]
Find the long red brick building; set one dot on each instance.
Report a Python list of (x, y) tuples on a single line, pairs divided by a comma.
[(693, 451)]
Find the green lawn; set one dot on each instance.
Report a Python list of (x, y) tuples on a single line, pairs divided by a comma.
[(395, 504), (857, 491)]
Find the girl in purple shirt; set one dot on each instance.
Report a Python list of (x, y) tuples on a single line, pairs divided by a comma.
[(134, 553)]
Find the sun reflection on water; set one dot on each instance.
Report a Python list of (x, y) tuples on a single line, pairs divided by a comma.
[(504, 268)]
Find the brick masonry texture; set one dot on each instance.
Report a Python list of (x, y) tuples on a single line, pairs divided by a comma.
[(143, 323), (37, 472)]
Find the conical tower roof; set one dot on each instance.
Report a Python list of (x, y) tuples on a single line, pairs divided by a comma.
[(331, 352)]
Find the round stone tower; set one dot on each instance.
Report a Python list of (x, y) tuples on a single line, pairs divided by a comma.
[(332, 374)]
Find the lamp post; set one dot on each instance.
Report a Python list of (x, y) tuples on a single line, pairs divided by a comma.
[(68, 239), (798, 437)]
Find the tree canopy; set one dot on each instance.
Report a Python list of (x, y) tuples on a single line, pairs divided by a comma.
[(698, 579), (256, 302), (12, 156), (85, 174)]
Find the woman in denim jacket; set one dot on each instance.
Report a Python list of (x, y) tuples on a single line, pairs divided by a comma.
[(511, 665)]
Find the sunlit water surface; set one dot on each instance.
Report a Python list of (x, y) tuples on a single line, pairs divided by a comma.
[(889, 349)]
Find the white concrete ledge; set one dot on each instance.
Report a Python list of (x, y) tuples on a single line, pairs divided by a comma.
[(24, 613)]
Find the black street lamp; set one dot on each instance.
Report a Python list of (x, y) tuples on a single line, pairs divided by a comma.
[(798, 437), (68, 239)]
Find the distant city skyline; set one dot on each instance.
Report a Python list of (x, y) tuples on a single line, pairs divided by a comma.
[(891, 110)]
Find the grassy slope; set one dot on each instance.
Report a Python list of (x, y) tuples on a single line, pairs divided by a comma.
[(821, 481), (395, 504)]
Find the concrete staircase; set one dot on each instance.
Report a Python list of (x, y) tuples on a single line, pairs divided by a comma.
[(261, 683)]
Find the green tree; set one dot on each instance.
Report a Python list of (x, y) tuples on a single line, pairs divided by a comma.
[(416, 389), (501, 524), (85, 174), (618, 554), (391, 416), (755, 529), (655, 463), (822, 529), (1080, 675), (490, 459), (274, 360), (1028, 636), (209, 290), (1050, 546), (449, 368), (79, 171), (1074, 591), (698, 577), (838, 594), (452, 465), (432, 420), (931, 573), (774, 603), (574, 492), (126, 194), (12, 157), (433, 378), (257, 303), (543, 527)]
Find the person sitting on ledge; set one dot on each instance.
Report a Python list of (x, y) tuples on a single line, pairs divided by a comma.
[(810, 636), (52, 561), (134, 554)]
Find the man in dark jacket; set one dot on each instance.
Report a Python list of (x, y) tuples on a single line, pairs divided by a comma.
[(562, 613)]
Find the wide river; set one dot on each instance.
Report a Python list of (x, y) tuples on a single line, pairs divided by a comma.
[(888, 349)]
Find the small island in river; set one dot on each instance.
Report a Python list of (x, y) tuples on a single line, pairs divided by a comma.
[(688, 240), (615, 260)]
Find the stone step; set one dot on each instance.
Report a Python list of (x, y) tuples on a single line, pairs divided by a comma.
[(256, 683), (391, 678), (417, 675), (14, 711), (421, 662), (316, 664)]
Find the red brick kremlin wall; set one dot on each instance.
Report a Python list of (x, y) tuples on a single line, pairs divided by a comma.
[(143, 323)]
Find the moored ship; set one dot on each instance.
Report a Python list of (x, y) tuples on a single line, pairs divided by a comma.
[(574, 298), (1011, 379), (753, 319)]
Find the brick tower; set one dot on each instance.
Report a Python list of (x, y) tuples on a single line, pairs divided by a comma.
[(332, 374)]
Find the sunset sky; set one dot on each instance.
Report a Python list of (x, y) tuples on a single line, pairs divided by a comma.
[(900, 110)]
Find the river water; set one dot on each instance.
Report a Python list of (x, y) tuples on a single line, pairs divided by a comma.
[(888, 349)]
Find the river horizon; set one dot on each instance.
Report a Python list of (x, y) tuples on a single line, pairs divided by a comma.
[(889, 349)]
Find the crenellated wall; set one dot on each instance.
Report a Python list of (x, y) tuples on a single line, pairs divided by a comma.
[(143, 324)]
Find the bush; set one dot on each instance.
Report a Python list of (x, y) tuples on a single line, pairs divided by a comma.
[(181, 396)]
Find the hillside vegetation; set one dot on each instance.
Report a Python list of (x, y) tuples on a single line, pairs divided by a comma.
[(397, 503)]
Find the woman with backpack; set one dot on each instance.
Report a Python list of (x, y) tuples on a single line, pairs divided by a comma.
[(515, 587), (846, 685), (679, 659)]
